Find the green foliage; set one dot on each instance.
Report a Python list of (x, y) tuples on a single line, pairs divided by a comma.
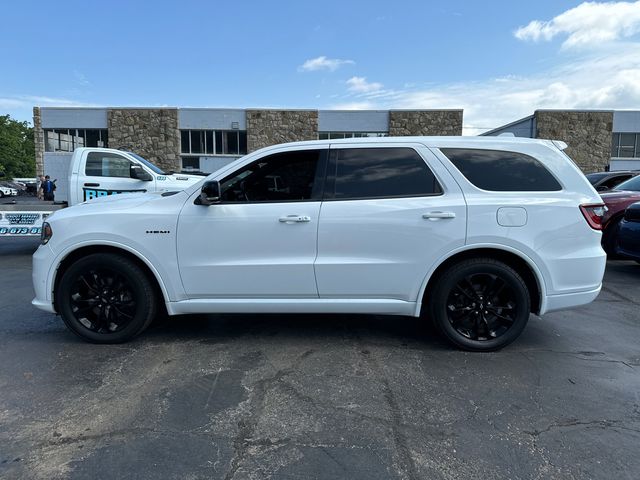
[(17, 149)]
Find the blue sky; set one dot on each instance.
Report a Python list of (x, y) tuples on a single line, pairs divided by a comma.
[(372, 54)]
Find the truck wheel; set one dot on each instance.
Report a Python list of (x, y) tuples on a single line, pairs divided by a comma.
[(106, 298), (480, 304)]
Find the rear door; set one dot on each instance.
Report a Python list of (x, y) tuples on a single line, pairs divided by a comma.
[(389, 213), (109, 173)]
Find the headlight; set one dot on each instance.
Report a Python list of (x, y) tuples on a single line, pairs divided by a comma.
[(46, 233)]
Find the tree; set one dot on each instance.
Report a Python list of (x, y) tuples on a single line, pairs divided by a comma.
[(17, 148)]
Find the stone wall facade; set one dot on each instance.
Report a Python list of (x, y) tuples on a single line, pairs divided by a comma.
[(588, 134), (270, 127), (38, 138), (150, 132), (425, 122)]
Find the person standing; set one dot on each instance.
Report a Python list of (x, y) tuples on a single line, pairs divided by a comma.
[(48, 187), (39, 192)]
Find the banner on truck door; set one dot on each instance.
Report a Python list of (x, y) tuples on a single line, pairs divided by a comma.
[(91, 193)]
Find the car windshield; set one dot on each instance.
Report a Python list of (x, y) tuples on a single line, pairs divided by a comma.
[(632, 184), (147, 163)]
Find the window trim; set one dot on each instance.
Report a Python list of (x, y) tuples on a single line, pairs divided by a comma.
[(317, 192), (473, 185), (332, 172)]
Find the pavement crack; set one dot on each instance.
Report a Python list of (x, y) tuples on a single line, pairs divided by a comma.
[(579, 423)]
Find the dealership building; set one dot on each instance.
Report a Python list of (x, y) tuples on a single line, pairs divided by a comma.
[(205, 139), (598, 139)]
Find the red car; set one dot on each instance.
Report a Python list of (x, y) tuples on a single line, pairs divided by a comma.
[(617, 200)]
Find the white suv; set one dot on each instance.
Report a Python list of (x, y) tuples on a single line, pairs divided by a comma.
[(472, 233)]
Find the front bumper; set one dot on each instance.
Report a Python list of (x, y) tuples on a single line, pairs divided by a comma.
[(42, 262)]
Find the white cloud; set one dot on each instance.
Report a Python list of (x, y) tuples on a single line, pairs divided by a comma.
[(588, 24), (323, 63), (20, 107), (604, 81), (81, 78), (360, 85)]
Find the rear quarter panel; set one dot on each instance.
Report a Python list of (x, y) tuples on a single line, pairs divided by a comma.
[(555, 237)]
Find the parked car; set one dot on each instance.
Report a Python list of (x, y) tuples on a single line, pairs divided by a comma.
[(603, 181), (617, 200), (628, 235), (6, 191), (474, 233)]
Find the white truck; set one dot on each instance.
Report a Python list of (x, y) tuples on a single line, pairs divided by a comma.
[(93, 173)]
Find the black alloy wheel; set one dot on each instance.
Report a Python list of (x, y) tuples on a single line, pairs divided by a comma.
[(106, 298), (480, 304), (102, 300)]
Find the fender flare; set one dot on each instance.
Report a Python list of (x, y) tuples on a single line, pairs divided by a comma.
[(477, 246)]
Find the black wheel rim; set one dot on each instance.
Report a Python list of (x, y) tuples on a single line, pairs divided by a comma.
[(103, 301), (482, 307)]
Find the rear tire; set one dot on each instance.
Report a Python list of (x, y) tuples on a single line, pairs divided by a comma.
[(106, 298), (480, 304), (610, 237)]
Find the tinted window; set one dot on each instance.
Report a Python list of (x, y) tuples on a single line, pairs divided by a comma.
[(382, 172), (107, 165), (632, 184), (285, 177), (502, 171), (613, 181)]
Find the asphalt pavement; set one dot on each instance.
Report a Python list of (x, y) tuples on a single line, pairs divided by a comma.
[(317, 396)]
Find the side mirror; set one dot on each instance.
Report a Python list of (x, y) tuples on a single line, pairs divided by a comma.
[(139, 173), (210, 193), (601, 188)]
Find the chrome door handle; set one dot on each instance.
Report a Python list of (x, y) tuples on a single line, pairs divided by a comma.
[(438, 215), (295, 219)]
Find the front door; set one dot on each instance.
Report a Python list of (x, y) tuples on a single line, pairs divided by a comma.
[(260, 240)]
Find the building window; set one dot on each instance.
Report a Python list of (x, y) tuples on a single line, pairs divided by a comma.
[(337, 135), (213, 142), (68, 139), (191, 163), (626, 145)]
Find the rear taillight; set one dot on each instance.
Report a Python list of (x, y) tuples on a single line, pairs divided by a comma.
[(593, 214)]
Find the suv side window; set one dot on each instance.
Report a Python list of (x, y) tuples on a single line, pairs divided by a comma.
[(382, 172), (104, 164), (501, 171), (281, 177)]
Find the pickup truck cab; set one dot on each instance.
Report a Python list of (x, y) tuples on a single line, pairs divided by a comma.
[(93, 173), (473, 233), (98, 172)]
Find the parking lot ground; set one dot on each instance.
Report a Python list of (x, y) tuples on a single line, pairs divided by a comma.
[(291, 396)]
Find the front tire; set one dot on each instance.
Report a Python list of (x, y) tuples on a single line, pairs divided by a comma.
[(480, 304), (106, 298)]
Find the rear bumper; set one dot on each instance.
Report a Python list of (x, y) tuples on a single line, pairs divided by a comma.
[(569, 300)]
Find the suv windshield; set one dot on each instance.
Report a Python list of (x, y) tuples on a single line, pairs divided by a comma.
[(632, 184), (147, 163)]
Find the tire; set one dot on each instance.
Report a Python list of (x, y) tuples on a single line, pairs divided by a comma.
[(609, 238), (106, 298), (463, 304)]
